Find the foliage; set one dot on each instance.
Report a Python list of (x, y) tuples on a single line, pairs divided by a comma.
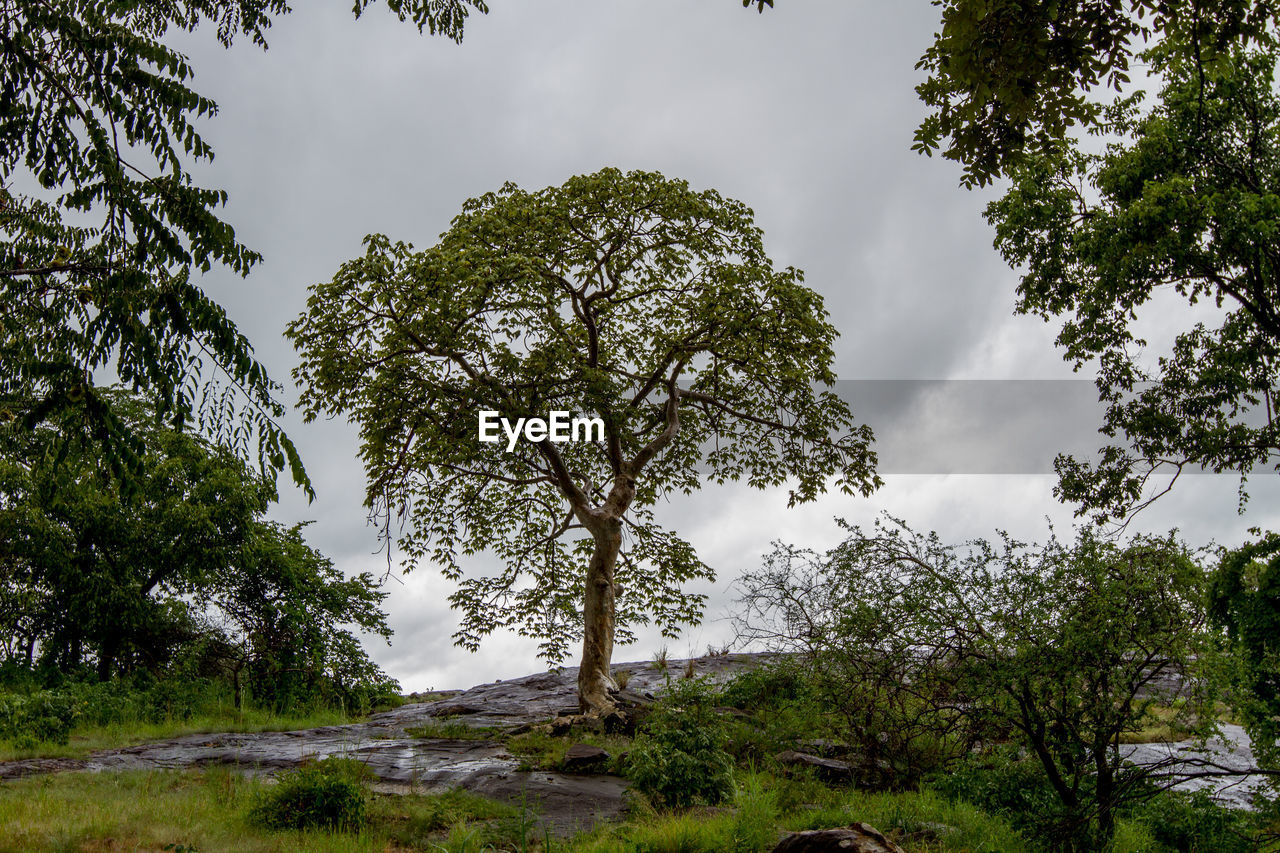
[(181, 573), (755, 825), (1060, 647), (30, 719), (326, 794), (679, 756), (627, 297), (1181, 207), (1009, 78), (1244, 598), (769, 685), (1006, 782), (290, 614), (1194, 823), (102, 229)]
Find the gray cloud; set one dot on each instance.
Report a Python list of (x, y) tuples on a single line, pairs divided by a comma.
[(805, 113)]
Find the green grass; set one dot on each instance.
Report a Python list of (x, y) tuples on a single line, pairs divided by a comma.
[(89, 739), (453, 728), (209, 810), (541, 751)]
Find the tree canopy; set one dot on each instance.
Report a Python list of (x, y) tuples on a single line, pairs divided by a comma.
[(1009, 78), (1184, 205), (183, 566), (103, 232), (627, 297)]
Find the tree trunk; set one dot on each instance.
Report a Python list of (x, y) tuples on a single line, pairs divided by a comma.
[(598, 614)]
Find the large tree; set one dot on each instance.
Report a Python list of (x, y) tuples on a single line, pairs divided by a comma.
[(103, 233), (627, 297)]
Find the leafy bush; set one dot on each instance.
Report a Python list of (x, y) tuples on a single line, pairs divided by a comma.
[(328, 794), (41, 717), (1005, 784), (1194, 823), (679, 756), (768, 686)]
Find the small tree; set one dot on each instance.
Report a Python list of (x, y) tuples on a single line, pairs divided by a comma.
[(627, 297), (1062, 648)]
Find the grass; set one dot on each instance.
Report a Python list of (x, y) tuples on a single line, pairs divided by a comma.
[(88, 739), (452, 728), (541, 751), (207, 810)]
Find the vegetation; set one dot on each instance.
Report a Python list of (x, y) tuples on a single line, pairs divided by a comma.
[(924, 651), (1182, 204), (101, 249), (178, 578), (1244, 598), (630, 298), (679, 758), (1008, 79), (325, 794)]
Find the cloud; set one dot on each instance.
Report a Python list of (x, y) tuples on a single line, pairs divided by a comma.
[(805, 113)]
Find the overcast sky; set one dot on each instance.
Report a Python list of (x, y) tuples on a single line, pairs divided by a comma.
[(805, 113)]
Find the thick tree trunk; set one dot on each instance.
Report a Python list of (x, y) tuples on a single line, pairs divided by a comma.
[(598, 615)]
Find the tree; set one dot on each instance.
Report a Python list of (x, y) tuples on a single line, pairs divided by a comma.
[(98, 560), (1062, 647), (626, 297), (127, 581), (1011, 77), (1185, 204), (288, 613), (102, 227), (1244, 599)]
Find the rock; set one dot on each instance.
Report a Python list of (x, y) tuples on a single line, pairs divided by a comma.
[(562, 726), (584, 758), (856, 838), (453, 709), (825, 748), (828, 769)]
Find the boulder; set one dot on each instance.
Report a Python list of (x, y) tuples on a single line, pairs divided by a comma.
[(856, 838), (828, 769), (584, 758)]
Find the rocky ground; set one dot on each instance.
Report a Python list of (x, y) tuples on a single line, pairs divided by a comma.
[(403, 764), (566, 802)]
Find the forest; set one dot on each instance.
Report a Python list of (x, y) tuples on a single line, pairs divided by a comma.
[(222, 594)]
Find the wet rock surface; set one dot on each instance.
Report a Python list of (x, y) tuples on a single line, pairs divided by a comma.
[(403, 764), (1232, 751)]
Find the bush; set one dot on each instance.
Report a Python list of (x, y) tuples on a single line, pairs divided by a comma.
[(42, 717), (679, 756), (1004, 784), (767, 686), (1194, 823), (328, 794)]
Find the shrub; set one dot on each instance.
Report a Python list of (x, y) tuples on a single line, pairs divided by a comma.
[(1194, 823), (766, 686), (1005, 784), (679, 756), (328, 794), (43, 717)]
